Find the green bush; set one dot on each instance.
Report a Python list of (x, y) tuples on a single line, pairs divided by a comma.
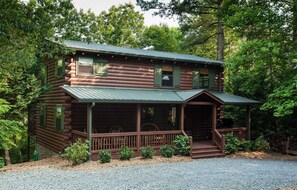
[(245, 145), (125, 153), (182, 145), (77, 153), (232, 143), (104, 156), (260, 144), (147, 152), (2, 164), (166, 151)]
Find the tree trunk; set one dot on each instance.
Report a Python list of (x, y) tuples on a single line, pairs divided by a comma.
[(294, 10), (220, 48), (6, 157)]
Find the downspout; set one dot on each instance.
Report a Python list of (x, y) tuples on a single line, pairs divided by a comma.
[(90, 124)]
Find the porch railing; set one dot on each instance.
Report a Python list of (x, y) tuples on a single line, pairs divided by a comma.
[(114, 141), (239, 132), (158, 138), (219, 140)]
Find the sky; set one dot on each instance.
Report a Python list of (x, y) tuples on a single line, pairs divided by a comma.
[(98, 6)]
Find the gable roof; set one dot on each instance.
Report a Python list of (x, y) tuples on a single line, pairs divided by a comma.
[(99, 94), (98, 48)]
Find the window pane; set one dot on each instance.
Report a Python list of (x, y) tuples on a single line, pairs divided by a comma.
[(42, 116), (59, 118), (167, 76), (85, 66), (88, 61), (59, 67), (148, 114)]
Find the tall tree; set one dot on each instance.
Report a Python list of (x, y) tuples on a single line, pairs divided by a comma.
[(162, 38), (197, 8)]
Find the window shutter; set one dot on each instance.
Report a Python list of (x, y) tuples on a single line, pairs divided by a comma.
[(176, 77), (158, 75), (211, 79), (195, 82)]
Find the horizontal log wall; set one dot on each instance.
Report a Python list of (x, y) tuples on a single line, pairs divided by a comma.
[(133, 73), (49, 136)]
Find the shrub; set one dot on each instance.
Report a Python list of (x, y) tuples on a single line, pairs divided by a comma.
[(147, 152), (2, 164), (232, 143), (125, 153), (182, 145), (245, 145), (104, 156), (166, 151), (77, 153), (260, 144)]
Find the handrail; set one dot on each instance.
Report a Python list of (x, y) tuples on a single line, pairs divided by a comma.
[(79, 133), (220, 144), (159, 132)]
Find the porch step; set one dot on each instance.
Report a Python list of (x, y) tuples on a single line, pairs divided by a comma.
[(206, 151)]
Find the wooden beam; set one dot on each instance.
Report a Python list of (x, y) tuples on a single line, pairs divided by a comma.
[(138, 123), (90, 125), (214, 120), (201, 103), (182, 116), (248, 121)]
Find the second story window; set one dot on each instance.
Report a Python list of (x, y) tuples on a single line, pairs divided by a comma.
[(85, 66), (90, 66), (167, 76), (203, 78), (60, 68)]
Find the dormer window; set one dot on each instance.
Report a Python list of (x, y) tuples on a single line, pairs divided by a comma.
[(167, 76), (89, 66)]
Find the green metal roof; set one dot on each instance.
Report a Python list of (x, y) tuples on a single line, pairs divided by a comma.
[(100, 94), (229, 99), (98, 48), (121, 95)]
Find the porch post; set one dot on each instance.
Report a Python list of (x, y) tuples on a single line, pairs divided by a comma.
[(90, 125), (214, 120), (138, 123), (248, 122), (182, 117)]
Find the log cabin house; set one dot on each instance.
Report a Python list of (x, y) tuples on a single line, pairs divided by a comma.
[(115, 96)]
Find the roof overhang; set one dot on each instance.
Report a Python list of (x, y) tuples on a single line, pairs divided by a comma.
[(99, 94)]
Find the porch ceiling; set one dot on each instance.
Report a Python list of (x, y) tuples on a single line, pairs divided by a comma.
[(98, 94)]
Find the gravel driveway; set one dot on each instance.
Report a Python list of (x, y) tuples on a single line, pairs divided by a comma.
[(218, 173)]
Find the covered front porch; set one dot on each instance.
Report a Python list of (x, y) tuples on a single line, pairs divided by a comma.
[(111, 117)]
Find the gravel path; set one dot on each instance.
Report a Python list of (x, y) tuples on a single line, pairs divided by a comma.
[(219, 173)]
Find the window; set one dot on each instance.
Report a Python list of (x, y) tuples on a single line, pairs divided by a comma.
[(167, 76), (85, 66), (59, 118), (148, 114), (60, 68), (42, 116), (171, 119), (203, 78), (90, 66)]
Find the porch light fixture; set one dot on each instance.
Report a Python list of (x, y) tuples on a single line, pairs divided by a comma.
[(165, 77)]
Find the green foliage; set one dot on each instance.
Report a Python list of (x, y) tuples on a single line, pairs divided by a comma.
[(105, 156), (232, 143), (77, 153), (147, 152), (166, 151), (125, 153), (260, 144), (162, 38), (2, 164), (182, 145)]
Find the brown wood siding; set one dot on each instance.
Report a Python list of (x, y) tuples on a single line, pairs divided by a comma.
[(119, 75), (49, 136), (198, 120)]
